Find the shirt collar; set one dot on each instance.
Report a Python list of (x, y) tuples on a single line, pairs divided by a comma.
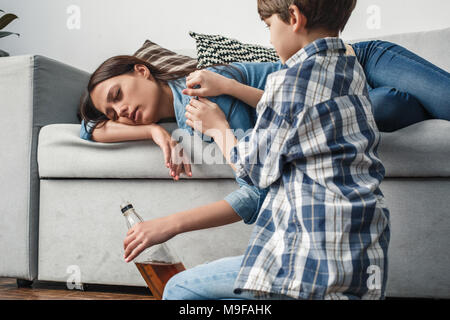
[(335, 45)]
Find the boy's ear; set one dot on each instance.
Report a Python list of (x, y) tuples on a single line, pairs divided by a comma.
[(296, 18)]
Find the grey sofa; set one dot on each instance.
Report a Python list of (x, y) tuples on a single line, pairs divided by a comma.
[(60, 195)]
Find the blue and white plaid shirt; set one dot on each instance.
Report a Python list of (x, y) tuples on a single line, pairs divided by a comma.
[(323, 229)]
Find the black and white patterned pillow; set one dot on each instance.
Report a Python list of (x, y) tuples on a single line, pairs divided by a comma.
[(217, 49)]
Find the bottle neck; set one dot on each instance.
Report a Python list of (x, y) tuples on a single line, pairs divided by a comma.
[(132, 218)]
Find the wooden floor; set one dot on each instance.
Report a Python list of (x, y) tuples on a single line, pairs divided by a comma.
[(59, 291)]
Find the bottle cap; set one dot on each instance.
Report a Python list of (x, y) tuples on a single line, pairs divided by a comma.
[(125, 206)]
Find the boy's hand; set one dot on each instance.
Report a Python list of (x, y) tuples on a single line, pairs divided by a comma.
[(146, 234), (203, 115), (174, 156), (210, 84)]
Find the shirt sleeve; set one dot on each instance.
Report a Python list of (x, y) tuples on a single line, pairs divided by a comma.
[(260, 156), (86, 130), (246, 201)]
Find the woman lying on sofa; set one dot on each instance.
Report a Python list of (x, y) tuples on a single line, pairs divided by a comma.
[(404, 89), (126, 97)]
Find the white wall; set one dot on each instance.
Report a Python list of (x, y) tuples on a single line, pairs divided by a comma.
[(110, 27)]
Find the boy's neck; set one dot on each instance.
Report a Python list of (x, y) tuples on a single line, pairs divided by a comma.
[(313, 35)]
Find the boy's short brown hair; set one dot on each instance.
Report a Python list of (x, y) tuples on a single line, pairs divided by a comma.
[(331, 15)]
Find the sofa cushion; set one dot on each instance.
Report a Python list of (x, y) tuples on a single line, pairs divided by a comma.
[(420, 150), (63, 154)]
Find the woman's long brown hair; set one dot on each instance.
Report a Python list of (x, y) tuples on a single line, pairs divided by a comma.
[(123, 64), (112, 67)]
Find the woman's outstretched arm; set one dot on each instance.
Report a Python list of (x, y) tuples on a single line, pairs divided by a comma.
[(113, 131), (152, 232), (205, 83), (174, 157)]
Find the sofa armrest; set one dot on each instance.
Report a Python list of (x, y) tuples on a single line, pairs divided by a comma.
[(35, 91), (57, 88)]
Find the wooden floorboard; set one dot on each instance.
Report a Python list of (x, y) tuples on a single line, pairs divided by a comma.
[(59, 291), (42, 290)]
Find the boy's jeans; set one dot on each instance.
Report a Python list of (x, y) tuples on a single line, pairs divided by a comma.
[(213, 280)]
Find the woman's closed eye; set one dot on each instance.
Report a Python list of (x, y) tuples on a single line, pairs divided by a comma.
[(116, 97), (110, 112)]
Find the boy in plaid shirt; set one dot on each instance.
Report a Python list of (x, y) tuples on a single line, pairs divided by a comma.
[(323, 230)]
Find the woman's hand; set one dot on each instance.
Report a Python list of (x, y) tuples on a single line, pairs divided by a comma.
[(203, 115), (208, 83), (174, 156), (147, 234)]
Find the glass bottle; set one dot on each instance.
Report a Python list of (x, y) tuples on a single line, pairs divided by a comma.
[(157, 264)]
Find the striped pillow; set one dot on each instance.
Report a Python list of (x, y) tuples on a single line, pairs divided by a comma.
[(166, 60), (217, 49)]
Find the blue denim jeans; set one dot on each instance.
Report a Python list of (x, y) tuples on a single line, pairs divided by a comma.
[(403, 87), (211, 281)]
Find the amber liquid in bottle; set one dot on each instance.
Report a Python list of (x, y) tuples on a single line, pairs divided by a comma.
[(157, 274), (156, 265)]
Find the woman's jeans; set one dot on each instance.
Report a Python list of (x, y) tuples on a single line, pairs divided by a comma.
[(211, 281), (403, 87)]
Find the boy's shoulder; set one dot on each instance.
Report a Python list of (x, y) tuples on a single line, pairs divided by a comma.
[(288, 75), (320, 77), (284, 92), (292, 79)]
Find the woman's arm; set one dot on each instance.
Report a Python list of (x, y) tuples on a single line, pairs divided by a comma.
[(151, 232), (113, 131), (211, 84), (174, 157)]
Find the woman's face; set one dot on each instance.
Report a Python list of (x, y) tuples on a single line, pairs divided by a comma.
[(131, 98)]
